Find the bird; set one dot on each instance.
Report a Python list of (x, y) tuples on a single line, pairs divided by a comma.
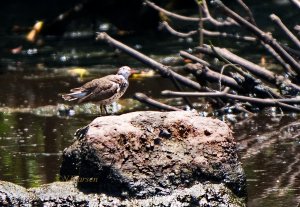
[(104, 91)]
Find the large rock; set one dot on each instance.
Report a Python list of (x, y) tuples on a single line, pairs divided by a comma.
[(144, 154), (143, 159), (15, 195), (67, 194)]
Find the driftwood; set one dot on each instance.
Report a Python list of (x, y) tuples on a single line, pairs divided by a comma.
[(266, 38), (241, 82), (282, 103), (227, 22), (154, 103), (165, 25), (243, 85), (291, 36), (162, 69), (257, 70), (212, 76), (171, 14)]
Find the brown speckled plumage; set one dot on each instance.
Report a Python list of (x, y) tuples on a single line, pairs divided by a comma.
[(103, 90)]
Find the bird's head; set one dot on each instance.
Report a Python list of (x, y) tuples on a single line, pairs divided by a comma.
[(125, 71)]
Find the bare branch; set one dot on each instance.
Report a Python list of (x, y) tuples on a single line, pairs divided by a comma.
[(149, 101), (196, 59), (212, 76), (291, 36), (251, 67), (277, 57), (171, 14), (227, 22), (225, 35), (208, 33), (162, 69), (297, 28), (165, 25), (245, 83), (261, 35), (249, 12), (258, 101)]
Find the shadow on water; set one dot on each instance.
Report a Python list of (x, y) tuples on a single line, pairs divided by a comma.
[(33, 135)]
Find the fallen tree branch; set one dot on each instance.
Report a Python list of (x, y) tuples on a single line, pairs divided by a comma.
[(149, 101), (171, 14), (245, 80), (227, 22), (251, 67), (187, 55), (206, 74), (245, 83), (282, 103), (291, 36), (261, 35), (238, 107), (165, 25), (162, 69)]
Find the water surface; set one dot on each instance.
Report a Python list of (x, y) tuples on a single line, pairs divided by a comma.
[(33, 133)]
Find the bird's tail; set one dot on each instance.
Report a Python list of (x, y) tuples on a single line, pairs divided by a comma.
[(73, 96), (68, 97)]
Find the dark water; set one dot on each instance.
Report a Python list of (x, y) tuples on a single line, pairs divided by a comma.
[(33, 134)]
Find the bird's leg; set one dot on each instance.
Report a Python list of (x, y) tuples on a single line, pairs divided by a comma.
[(105, 109), (101, 109)]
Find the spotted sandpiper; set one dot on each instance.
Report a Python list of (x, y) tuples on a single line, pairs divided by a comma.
[(104, 91)]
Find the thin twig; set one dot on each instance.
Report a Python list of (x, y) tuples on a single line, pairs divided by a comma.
[(259, 101), (249, 12), (187, 55), (149, 101), (171, 14), (165, 25), (227, 22), (200, 23)]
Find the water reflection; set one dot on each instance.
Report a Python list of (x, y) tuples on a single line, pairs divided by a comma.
[(31, 146), (270, 152)]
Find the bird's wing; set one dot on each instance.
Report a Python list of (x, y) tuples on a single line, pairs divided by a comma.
[(99, 89)]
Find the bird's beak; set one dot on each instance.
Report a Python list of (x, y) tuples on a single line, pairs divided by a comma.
[(133, 71)]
